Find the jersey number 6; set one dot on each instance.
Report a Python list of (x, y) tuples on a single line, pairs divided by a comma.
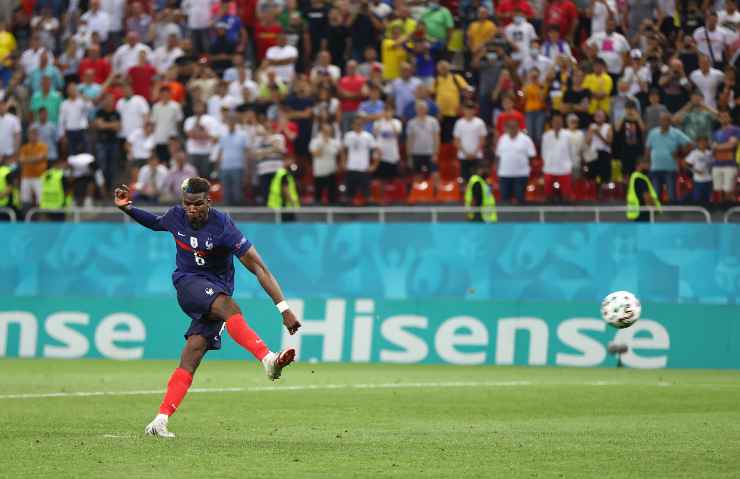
[(199, 260)]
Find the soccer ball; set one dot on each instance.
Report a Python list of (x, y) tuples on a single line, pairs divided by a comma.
[(621, 309)]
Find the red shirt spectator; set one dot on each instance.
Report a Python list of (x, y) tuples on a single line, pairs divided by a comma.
[(116, 91), (100, 66), (507, 8), (562, 13), (289, 130), (142, 77), (350, 89), (506, 116), (247, 11), (265, 36)]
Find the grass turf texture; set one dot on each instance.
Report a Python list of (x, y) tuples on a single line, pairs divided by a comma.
[(527, 422)]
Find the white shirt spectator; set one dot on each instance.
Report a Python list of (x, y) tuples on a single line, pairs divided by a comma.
[(127, 56), (133, 112), (577, 145), (142, 144), (163, 58), (387, 133), (543, 64), (73, 115), (148, 176), (198, 12), (115, 10), (730, 21), (359, 150), (422, 134), (636, 76), (514, 154), (720, 39), (597, 144), (701, 164), (10, 128), (472, 137), (324, 152), (521, 37), (98, 22), (216, 103), (611, 48), (166, 118), (201, 147), (278, 53), (274, 160), (601, 14), (708, 84), (320, 71), (557, 153), (236, 91), (31, 59)]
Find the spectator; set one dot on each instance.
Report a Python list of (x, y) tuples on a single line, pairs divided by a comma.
[(699, 162), (138, 21), (198, 14), (564, 15), (241, 91), (317, 16), (577, 144), (664, 147), (535, 95), (150, 182), (45, 69), (509, 113), (133, 111), (116, 12), (98, 20), (221, 50), (600, 11), (438, 22), (350, 88), (364, 28), (729, 18), (404, 87), (520, 34), (325, 149), (73, 121), (48, 134), (637, 75), (371, 63), (140, 145), (360, 160), (629, 139), (270, 156), (180, 171), (611, 47), (449, 88), (654, 111), (387, 132), (232, 157), (674, 85), (326, 110), (141, 76), (576, 98), (300, 111), (93, 61), (599, 140), (724, 169), (371, 109), (696, 119), (426, 66), (129, 54), (707, 80), (600, 85), (557, 155), (34, 162), (555, 46), (164, 56), (337, 38), (31, 57), (107, 125), (324, 71), (394, 53), (201, 131), (713, 40), (166, 116), (619, 102), (422, 140), (421, 94), (8, 43), (47, 98), (235, 33), (514, 151), (481, 31), (296, 29), (508, 10), (470, 134)]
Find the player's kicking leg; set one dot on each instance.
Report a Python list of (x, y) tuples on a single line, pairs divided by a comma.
[(226, 309)]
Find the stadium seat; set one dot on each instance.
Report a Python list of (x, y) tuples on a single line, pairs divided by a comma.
[(395, 192), (376, 193), (217, 192), (421, 192), (449, 192)]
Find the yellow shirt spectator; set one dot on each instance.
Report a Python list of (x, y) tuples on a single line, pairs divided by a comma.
[(408, 26), (7, 45), (392, 54), (534, 97), (33, 159), (599, 84), (448, 89), (480, 32)]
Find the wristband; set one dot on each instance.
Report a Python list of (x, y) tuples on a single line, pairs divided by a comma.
[(282, 306)]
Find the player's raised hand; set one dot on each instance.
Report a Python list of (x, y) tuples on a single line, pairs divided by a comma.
[(121, 197), (291, 322)]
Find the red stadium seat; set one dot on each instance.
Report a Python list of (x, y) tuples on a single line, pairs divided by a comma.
[(376, 192), (395, 192), (421, 192), (449, 192)]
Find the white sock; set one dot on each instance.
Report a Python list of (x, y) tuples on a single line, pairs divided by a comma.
[(268, 357), (164, 417)]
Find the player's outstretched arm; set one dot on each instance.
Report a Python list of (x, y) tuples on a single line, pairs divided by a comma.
[(253, 262), (144, 218)]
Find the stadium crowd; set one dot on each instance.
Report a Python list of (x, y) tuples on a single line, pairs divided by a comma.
[(370, 101)]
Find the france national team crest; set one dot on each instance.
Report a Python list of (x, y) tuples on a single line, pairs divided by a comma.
[(193, 242)]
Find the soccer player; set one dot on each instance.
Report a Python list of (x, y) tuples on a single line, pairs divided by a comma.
[(204, 280)]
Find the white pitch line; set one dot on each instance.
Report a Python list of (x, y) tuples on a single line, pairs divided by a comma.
[(306, 387)]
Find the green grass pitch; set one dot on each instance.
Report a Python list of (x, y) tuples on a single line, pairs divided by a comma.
[(342, 420)]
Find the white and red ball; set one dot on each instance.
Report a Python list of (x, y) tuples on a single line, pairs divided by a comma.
[(621, 309)]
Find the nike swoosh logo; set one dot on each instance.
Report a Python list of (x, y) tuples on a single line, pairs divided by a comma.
[(180, 234)]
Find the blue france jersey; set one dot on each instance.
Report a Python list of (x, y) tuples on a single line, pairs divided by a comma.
[(205, 252)]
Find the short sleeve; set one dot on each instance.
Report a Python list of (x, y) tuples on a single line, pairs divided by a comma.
[(233, 239), (531, 151)]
